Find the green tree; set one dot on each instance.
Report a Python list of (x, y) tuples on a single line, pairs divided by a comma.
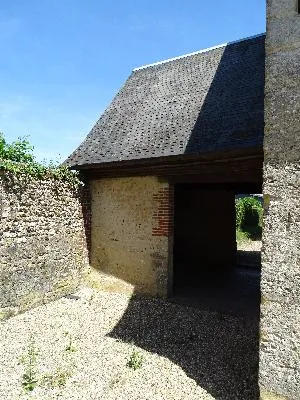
[(18, 158), (20, 151), (249, 213)]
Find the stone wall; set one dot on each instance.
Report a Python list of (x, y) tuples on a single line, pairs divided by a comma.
[(43, 252), (131, 235), (280, 286)]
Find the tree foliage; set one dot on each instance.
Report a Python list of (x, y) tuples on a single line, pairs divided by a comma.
[(18, 151), (249, 213), (18, 158)]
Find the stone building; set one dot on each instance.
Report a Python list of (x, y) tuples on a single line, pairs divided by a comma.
[(167, 156), (166, 159)]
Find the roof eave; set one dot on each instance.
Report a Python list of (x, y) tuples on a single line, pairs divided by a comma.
[(209, 157)]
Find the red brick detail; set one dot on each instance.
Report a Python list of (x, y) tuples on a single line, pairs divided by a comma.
[(162, 218)]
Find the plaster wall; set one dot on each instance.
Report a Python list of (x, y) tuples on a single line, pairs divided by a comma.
[(131, 235), (280, 285), (43, 252)]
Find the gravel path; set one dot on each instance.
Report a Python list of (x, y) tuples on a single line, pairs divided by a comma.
[(83, 343), (250, 245), (249, 253)]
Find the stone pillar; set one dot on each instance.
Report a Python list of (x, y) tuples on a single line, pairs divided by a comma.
[(280, 286), (131, 235)]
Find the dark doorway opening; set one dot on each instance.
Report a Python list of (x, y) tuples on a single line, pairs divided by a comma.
[(207, 272)]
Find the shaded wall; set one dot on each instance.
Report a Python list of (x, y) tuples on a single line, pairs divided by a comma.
[(43, 252), (280, 309), (131, 235)]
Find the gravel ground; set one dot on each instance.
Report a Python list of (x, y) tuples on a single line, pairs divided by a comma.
[(83, 343), (249, 253), (250, 245)]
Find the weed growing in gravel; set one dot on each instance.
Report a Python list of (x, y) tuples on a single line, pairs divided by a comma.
[(57, 379), (70, 346), (135, 361), (116, 381), (29, 360)]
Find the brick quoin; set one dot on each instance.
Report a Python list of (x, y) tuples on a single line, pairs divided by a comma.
[(164, 209)]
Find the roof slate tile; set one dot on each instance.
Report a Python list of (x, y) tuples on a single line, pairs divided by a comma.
[(207, 102)]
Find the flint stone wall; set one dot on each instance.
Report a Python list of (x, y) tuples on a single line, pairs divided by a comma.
[(43, 252)]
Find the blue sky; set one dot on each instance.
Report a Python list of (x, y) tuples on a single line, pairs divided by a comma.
[(62, 61)]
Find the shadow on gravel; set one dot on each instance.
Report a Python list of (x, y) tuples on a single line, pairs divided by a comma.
[(249, 258), (215, 347), (219, 351)]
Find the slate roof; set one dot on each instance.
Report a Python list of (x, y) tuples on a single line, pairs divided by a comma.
[(210, 101)]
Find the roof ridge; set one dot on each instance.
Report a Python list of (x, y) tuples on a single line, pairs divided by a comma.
[(198, 52)]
